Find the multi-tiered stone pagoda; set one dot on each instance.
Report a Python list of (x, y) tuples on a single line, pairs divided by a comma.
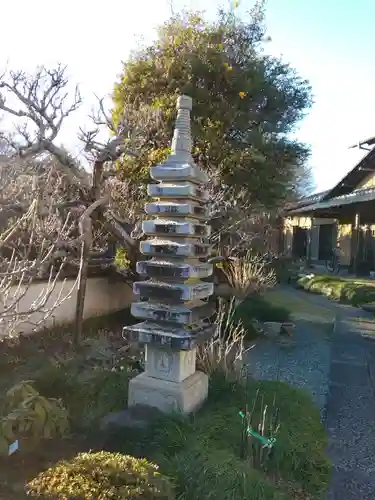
[(172, 297)]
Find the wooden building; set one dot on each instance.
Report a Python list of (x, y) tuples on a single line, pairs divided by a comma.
[(343, 216)]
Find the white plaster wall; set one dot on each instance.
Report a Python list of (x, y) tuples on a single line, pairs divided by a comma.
[(102, 298)]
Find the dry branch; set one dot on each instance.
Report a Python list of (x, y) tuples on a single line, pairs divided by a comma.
[(26, 260)]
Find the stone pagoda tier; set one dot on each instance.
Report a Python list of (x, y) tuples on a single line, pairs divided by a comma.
[(172, 301)]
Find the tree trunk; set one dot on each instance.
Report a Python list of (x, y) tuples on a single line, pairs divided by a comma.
[(86, 231), (82, 282)]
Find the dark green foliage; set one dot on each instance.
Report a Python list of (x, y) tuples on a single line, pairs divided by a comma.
[(301, 440), (56, 381), (283, 267), (219, 474), (202, 453), (257, 307), (89, 395), (245, 103)]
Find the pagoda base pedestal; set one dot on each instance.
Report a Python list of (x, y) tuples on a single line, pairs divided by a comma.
[(169, 397), (173, 365)]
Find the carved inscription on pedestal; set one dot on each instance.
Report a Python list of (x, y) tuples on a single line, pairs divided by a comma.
[(164, 362)]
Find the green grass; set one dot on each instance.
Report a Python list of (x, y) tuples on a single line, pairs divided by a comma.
[(345, 290), (204, 474), (300, 306), (203, 452)]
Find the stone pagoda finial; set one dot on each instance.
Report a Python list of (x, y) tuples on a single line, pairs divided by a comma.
[(181, 142)]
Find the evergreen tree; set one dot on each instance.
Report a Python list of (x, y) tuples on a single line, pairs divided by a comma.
[(245, 103)]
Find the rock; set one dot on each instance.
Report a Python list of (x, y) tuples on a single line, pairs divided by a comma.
[(138, 417), (271, 329), (287, 329)]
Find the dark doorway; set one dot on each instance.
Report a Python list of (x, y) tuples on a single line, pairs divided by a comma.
[(369, 244), (365, 252), (299, 242), (326, 241)]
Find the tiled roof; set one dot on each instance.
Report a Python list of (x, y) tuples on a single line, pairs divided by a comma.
[(358, 196), (307, 200)]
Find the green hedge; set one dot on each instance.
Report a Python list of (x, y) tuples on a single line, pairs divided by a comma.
[(354, 292)]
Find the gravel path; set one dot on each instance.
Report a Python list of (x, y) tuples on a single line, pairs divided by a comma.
[(338, 369), (350, 418), (304, 364)]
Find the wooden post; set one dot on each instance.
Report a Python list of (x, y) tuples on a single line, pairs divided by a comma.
[(308, 247), (355, 240)]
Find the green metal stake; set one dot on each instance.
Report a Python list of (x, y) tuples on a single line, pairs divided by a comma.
[(267, 442)]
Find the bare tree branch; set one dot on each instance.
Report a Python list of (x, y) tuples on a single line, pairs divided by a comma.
[(42, 99), (67, 216), (28, 251)]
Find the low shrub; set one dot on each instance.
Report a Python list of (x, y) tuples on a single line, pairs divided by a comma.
[(300, 450), (103, 475), (88, 394), (354, 292), (257, 307), (53, 380), (27, 415)]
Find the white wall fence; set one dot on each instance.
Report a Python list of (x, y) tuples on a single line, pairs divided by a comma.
[(102, 297)]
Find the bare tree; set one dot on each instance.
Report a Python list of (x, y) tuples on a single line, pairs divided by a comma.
[(32, 240), (237, 224), (40, 103)]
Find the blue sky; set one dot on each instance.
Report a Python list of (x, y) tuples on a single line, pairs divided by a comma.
[(328, 42)]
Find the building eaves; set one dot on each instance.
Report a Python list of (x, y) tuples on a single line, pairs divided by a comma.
[(307, 200), (359, 196), (355, 177)]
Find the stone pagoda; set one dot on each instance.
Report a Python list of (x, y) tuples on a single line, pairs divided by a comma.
[(172, 299)]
